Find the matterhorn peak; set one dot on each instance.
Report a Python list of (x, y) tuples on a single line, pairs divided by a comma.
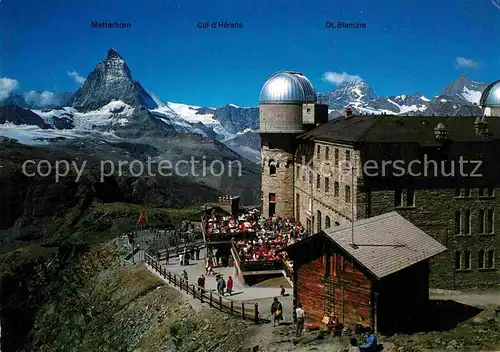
[(111, 80), (112, 53)]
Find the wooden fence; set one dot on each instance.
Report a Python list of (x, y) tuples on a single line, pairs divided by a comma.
[(247, 311)]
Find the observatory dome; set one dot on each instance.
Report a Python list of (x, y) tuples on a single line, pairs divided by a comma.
[(491, 95), (287, 87)]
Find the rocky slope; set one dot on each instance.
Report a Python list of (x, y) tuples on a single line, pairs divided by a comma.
[(111, 80), (42, 209)]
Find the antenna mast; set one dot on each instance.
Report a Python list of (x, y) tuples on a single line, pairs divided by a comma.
[(352, 205)]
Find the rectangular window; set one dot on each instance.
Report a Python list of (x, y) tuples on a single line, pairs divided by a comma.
[(336, 156), (467, 222), (310, 177), (398, 198), (336, 189), (272, 197), (490, 225), (467, 260), (489, 259), (458, 225), (347, 155), (458, 260), (327, 185), (481, 259), (310, 204), (327, 153), (347, 194), (319, 151), (318, 181), (304, 175), (481, 221), (467, 192), (410, 198), (298, 170)]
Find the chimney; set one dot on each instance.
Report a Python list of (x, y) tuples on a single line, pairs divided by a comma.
[(347, 112), (440, 132), (481, 126)]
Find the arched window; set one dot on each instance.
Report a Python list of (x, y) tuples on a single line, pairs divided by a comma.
[(318, 225), (272, 167), (327, 222)]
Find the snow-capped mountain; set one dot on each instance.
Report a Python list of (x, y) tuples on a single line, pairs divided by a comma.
[(111, 80), (463, 90), (356, 93), (460, 97)]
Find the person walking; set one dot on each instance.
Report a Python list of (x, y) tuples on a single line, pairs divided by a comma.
[(229, 285), (277, 311), (221, 285), (184, 275), (167, 257), (301, 315), (201, 282), (198, 250)]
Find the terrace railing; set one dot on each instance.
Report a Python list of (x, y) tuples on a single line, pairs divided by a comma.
[(246, 311)]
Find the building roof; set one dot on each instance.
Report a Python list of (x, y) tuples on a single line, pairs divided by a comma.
[(400, 129), (287, 87), (385, 244)]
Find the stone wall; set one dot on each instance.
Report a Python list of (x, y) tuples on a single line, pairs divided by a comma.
[(434, 213), (316, 196), (278, 151)]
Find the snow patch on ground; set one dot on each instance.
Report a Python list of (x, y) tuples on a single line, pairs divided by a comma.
[(114, 113), (29, 134), (190, 114)]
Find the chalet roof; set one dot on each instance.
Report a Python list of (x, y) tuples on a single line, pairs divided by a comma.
[(400, 129), (385, 243)]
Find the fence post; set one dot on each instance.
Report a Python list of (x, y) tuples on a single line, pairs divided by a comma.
[(194, 290), (201, 294), (243, 310), (220, 303), (256, 307), (211, 299), (187, 286)]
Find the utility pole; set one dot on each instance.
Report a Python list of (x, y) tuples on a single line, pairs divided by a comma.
[(352, 205)]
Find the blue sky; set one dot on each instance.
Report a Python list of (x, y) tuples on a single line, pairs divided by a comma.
[(408, 46)]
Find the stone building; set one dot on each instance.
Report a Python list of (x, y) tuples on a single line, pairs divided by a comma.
[(440, 173)]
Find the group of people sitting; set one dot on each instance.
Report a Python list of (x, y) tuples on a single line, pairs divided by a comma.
[(262, 239), (226, 226), (273, 235)]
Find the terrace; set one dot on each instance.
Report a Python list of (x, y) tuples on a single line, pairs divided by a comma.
[(255, 241)]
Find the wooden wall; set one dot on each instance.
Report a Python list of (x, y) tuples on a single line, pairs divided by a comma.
[(311, 290), (331, 283), (349, 291)]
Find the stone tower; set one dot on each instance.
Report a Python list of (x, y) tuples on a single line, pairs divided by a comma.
[(287, 108)]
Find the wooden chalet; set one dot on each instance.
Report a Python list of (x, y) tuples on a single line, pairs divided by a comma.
[(379, 281)]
